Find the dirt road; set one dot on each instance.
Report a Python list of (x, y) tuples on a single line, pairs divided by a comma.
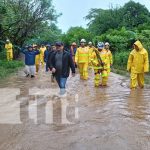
[(112, 118)]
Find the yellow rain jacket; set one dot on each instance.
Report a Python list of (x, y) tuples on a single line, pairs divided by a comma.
[(91, 49), (9, 51), (110, 60), (42, 50), (99, 69), (94, 60), (138, 61), (82, 55), (9, 47)]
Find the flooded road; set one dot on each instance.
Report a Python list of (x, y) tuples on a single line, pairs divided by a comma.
[(112, 118)]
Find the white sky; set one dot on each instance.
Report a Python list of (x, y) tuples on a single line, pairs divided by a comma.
[(74, 11)]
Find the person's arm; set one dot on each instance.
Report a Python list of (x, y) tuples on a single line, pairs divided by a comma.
[(130, 60), (71, 64), (45, 56), (111, 58), (23, 50), (77, 56), (51, 60), (93, 59), (36, 52), (11, 46), (146, 63)]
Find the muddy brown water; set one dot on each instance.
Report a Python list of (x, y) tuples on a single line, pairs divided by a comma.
[(112, 118)]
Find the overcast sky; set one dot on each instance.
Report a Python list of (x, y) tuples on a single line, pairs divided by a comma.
[(74, 11)]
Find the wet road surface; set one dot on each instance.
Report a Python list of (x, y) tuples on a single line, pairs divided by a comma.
[(112, 118)]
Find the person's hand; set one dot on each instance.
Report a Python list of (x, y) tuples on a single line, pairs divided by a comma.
[(73, 74), (53, 70), (76, 64)]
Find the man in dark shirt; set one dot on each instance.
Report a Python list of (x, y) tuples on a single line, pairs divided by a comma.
[(60, 64)]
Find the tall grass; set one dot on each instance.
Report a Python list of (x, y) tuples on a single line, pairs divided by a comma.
[(9, 67)]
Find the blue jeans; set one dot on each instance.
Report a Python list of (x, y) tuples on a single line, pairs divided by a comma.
[(62, 84), (46, 67)]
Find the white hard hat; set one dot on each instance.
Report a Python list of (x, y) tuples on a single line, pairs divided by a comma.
[(83, 41), (90, 43), (100, 45), (7, 40), (107, 44)]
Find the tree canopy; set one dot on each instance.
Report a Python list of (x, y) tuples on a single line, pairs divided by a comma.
[(131, 15), (21, 20)]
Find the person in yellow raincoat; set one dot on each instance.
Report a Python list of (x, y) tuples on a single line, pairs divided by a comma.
[(42, 50), (138, 64), (99, 60), (110, 60), (37, 59), (9, 50), (82, 59), (91, 49)]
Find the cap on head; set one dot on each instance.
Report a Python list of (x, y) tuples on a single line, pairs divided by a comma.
[(48, 45), (30, 46), (7, 40), (83, 41), (107, 44), (59, 44), (100, 45)]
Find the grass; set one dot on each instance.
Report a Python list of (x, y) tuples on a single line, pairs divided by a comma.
[(9, 67)]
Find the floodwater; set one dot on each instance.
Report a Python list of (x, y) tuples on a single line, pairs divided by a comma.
[(113, 118)]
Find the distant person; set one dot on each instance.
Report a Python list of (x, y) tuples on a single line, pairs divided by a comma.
[(46, 55), (30, 55), (60, 65), (110, 60), (82, 59), (99, 60), (9, 50), (42, 50), (73, 50), (138, 65), (50, 56), (37, 58), (91, 49)]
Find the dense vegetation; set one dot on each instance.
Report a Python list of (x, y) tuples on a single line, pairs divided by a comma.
[(25, 21), (119, 26)]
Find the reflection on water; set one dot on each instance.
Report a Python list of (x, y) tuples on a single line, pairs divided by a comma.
[(112, 118)]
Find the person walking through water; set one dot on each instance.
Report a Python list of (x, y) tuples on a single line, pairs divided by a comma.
[(30, 55), (138, 65), (50, 56), (9, 50), (37, 58), (46, 55), (73, 50), (99, 60), (91, 49), (82, 59), (110, 57), (60, 65), (42, 50)]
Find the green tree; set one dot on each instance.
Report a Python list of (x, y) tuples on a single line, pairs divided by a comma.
[(75, 34)]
